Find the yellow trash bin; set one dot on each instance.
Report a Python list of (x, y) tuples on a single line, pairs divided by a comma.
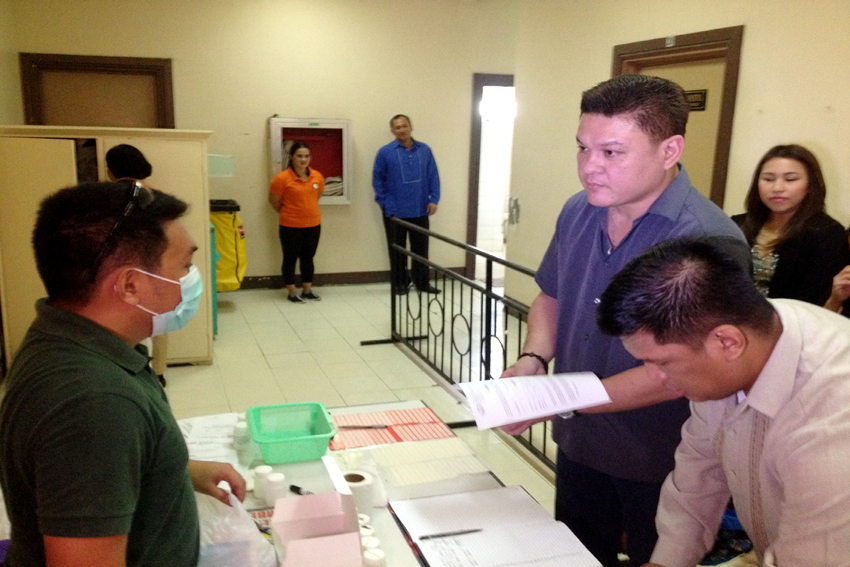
[(230, 243)]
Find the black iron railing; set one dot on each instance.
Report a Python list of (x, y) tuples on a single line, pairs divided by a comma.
[(470, 331)]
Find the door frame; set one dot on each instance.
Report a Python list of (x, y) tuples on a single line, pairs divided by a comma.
[(479, 81), (722, 43), (33, 65)]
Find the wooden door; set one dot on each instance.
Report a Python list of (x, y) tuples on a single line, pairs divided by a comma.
[(87, 90), (702, 78), (712, 46)]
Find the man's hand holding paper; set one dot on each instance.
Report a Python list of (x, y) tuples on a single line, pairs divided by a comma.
[(527, 366), (522, 399)]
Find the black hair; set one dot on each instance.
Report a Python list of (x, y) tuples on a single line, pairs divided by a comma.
[(294, 148), (126, 161), (74, 224), (813, 203), (681, 289), (658, 106), (397, 116)]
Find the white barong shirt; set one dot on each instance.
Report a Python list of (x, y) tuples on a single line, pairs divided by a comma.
[(782, 452)]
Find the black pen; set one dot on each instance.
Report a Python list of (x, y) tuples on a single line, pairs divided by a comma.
[(363, 426), (449, 534), (298, 490)]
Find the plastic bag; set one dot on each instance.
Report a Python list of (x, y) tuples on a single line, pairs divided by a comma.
[(229, 536)]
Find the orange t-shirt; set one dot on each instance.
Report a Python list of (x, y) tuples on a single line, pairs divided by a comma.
[(300, 199)]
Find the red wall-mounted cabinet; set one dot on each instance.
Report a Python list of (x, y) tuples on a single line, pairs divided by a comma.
[(330, 147)]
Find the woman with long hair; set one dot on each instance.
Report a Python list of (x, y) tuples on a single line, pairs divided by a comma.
[(797, 248), (294, 194)]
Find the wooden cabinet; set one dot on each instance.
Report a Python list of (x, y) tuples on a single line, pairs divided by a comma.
[(35, 161)]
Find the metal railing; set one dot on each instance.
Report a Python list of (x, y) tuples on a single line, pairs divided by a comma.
[(470, 331)]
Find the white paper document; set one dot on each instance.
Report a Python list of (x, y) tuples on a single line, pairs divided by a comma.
[(549, 544), (509, 400), (499, 527), (507, 505), (210, 438)]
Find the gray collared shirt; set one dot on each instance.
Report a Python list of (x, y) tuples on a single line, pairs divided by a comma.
[(638, 444)]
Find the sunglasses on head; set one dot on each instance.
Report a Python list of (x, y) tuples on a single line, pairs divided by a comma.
[(141, 198)]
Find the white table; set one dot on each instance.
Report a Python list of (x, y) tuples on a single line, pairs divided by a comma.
[(312, 476)]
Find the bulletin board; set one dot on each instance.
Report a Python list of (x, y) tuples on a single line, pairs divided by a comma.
[(329, 144)]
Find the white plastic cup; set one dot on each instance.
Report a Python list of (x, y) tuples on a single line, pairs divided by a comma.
[(374, 558), (275, 488), (241, 433), (369, 542), (261, 474), (243, 443)]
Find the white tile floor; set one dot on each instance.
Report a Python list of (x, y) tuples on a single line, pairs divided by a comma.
[(269, 351)]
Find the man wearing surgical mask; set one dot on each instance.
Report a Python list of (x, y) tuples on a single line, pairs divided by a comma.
[(93, 466)]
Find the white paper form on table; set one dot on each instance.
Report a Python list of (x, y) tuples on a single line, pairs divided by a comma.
[(509, 400), (549, 544), (498, 527), (210, 438)]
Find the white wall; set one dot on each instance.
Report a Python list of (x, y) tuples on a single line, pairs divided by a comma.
[(792, 88), (237, 63)]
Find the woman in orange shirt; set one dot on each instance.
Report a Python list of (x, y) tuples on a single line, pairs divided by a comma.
[(295, 195)]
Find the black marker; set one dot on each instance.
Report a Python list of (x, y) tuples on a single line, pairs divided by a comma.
[(298, 490), (449, 534)]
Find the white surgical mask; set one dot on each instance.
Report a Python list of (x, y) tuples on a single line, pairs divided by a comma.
[(191, 288)]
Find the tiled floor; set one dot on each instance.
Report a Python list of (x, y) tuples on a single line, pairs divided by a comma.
[(269, 350)]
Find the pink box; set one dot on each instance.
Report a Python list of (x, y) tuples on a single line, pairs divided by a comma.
[(313, 516), (340, 550)]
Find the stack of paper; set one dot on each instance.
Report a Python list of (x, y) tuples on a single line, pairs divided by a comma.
[(499, 527), (210, 438), (405, 464), (521, 398)]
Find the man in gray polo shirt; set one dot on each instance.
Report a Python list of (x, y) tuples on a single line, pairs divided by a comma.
[(636, 194)]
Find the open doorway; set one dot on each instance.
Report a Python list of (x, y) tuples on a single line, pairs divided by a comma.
[(491, 141), (498, 110)]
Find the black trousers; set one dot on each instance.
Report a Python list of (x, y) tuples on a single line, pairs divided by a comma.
[(418, 245), (299, 245), (598, 508)]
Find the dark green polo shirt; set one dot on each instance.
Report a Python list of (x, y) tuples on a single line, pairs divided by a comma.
[(90, 447)]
